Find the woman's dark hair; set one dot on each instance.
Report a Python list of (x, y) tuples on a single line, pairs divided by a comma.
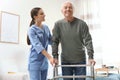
[(34, 12)]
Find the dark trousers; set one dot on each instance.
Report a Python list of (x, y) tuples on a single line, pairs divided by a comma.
[(70, 71)]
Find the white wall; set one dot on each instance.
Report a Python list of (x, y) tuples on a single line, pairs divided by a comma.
[(110, 17)]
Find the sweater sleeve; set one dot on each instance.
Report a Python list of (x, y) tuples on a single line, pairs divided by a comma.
[(55, 41), (87, 40)]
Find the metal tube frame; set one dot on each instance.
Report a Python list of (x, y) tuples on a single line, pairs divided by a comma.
[(56, 76)]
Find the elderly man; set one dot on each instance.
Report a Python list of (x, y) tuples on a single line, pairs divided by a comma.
[(73, 33)]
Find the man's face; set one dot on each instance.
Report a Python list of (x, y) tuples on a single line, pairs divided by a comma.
[(67, 9)]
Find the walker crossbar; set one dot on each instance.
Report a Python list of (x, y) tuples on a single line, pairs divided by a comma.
[(56, 76)]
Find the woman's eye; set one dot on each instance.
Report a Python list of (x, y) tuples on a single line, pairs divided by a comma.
[(41, 13)]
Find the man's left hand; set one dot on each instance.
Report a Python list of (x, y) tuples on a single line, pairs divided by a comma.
[(91, 61)]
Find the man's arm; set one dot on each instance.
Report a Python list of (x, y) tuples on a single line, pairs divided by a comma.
[(55, 41), (87, 39)]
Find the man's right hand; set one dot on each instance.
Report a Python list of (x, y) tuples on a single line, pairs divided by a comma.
[(56, 61)]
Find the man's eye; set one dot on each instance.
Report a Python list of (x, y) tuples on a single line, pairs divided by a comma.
[(65, 7), (41, 13)]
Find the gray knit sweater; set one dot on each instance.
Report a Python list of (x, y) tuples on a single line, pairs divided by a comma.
[(74, 37)]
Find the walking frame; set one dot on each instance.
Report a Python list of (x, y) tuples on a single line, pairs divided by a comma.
[(56, 76)]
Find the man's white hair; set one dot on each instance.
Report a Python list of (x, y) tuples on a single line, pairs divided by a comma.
[(68, 1)]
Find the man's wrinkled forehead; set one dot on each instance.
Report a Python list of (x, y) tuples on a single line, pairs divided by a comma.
[(67, 3)]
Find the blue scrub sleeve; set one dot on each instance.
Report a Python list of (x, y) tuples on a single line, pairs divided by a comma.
[(35, 41)]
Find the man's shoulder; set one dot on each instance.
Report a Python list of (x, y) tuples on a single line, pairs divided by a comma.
[(80, 20), (60, 21)]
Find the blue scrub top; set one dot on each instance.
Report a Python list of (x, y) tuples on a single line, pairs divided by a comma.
[(39, 39)]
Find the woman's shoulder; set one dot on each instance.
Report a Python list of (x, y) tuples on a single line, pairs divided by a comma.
[(45, 26), (33, 28)]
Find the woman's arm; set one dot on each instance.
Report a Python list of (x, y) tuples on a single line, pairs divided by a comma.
[(50, 58)]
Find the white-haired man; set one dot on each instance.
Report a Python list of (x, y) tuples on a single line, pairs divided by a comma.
[(73, 33)]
